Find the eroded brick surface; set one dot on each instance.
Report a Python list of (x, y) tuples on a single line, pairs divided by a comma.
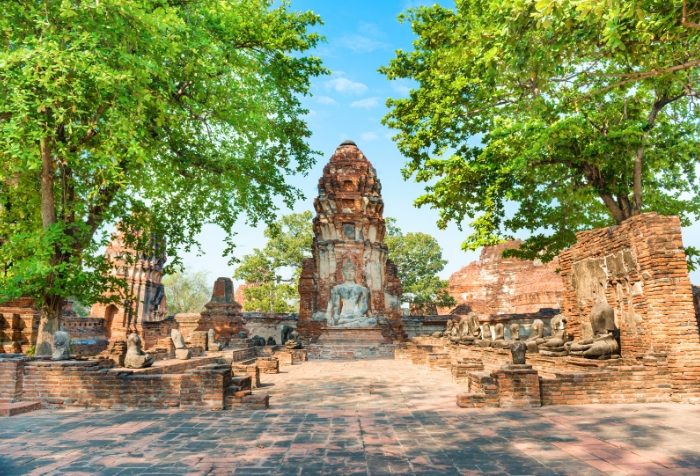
[(365, 417)]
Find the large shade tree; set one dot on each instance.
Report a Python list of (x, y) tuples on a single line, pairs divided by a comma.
[(158, 115), (550, 116), (289, 243), (418, 257)]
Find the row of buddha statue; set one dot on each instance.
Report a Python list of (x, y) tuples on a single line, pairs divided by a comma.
[(598, 342)]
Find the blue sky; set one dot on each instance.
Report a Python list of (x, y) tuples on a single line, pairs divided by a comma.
[(362, 36)]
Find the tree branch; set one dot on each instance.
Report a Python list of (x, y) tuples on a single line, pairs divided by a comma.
[(92, 131), (685, 22)]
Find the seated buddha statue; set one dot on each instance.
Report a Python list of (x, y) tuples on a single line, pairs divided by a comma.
[(499, 340), (535, 339), (553, 346), (603, 345), (485, 335), (349, 302), (471, 332)]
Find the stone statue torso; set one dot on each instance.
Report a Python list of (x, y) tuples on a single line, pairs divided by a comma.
[(348, 306)]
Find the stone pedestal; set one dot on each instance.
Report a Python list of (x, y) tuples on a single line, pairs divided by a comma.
[(518, 386), (358, 335)]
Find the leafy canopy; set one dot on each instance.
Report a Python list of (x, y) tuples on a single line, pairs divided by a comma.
[(418, 257), (552, 116), (289, 243), (161, 116), (186, 291)]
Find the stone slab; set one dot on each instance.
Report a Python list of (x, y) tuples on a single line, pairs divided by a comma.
[(18, 408)]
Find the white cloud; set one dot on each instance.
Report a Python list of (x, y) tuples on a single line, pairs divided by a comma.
[(368, 103), (362, 44), (370, 29), (345, 85), (325, 100), (368, 136), (311, 113)]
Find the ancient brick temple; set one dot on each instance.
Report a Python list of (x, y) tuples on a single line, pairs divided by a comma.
[(223, 313), (143, 274), (494, 285), (349, 241)]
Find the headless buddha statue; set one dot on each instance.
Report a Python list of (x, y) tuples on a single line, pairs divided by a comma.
[(603, 345), (553, 346), (499, 340), (535, 338)]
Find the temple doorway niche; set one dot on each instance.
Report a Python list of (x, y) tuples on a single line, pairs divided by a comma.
[(110, 312)]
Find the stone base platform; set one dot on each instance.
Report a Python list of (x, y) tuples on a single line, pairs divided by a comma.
[(353, 335), (351, 351)]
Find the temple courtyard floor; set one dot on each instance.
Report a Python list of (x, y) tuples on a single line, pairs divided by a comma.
[(361, 417)]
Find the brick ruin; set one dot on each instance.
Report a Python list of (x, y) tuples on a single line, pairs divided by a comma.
[(349, 230), (495, 285), (146, 300), (639, 269)]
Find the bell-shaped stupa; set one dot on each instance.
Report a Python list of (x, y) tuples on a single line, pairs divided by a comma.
[(349, 289)]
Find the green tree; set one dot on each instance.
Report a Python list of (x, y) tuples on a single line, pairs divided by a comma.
[(289, 243), (186, 291), (585, 111), (418, 257), (161, 116)]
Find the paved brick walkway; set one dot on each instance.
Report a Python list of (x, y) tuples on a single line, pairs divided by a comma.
[(372, 417)]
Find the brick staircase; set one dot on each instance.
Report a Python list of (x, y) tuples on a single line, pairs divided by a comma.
[(239, 395), (8, 408)]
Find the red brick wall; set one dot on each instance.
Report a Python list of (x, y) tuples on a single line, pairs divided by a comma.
[(92, 384), (641, 271)]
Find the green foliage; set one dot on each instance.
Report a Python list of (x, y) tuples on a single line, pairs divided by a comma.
[(418, 257), (692, 256), (272, 297), (162, 116), (186, 291), (289, 243), (30, 351), (585, 111)]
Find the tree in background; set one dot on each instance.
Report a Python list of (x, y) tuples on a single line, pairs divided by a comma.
[(586, 112), (160, 116), (418, 257), (289, 243), (186, 291)]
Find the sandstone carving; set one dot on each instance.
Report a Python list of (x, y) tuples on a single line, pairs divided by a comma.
[(514, 332), (535, 338), (499, 339), (212, 345), (61, 346), (294, 342), (553, 346), (349, 302), (603, 345), (135, 357), (485, 335), (181, 350)]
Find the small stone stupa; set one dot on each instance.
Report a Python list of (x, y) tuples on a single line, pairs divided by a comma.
[(349, 289)]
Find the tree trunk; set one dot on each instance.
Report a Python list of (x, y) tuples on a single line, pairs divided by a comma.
[(49, 324), (51, 307)]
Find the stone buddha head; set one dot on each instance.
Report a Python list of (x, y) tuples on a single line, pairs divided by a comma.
[(349, 272)]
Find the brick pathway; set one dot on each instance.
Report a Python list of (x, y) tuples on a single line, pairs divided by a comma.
[(371, 417)]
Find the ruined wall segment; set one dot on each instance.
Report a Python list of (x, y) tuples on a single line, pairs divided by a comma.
[(349, 227), (143, 273), (639, 268), (495, 285)]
